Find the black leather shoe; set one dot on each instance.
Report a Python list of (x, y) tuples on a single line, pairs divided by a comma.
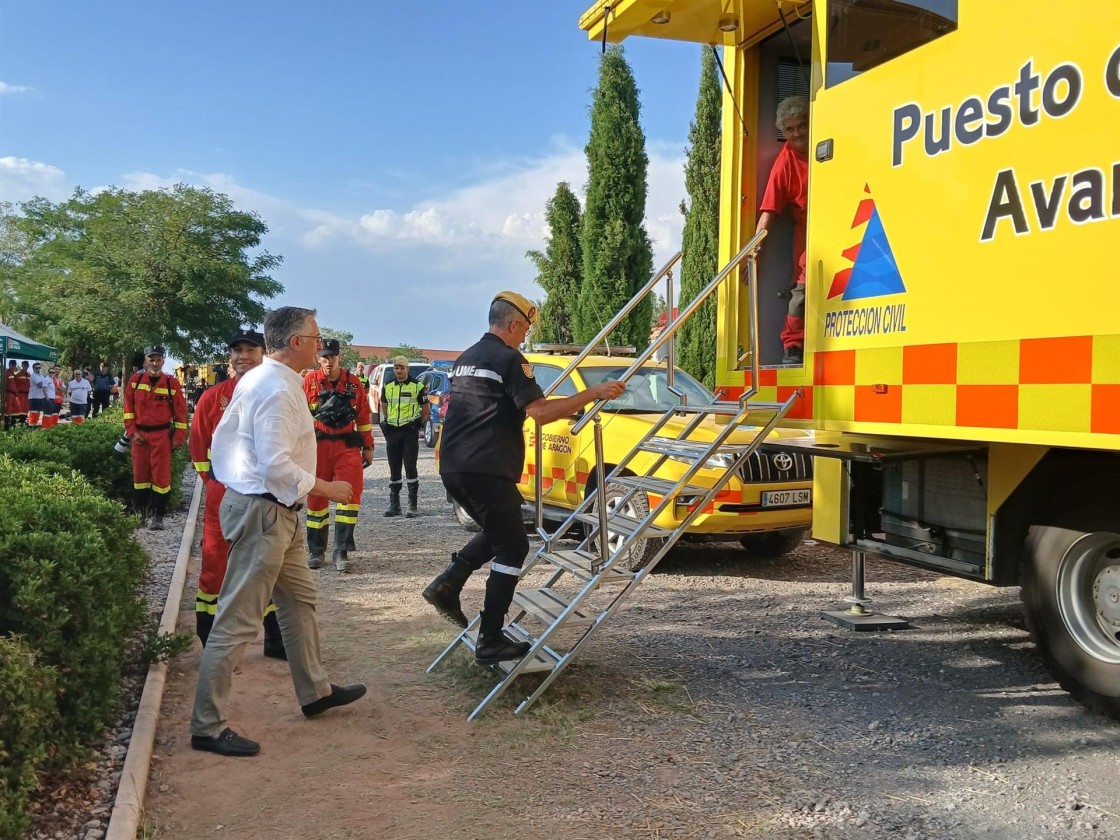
[(793, 356), (444, 596), (228, 743), (340, 696), (500, 648), (276, 652)]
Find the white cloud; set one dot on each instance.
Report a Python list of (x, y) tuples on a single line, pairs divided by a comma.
[(422, 273), (7, 89), (22, 179)]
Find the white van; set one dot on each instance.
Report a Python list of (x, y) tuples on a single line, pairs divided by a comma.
[(379, 375)]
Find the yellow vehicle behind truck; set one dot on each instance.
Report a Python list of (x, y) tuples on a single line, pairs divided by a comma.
[(962, 345)]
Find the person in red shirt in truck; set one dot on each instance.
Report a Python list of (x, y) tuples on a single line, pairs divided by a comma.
[(155, 419), (788, 189), (246, 351)]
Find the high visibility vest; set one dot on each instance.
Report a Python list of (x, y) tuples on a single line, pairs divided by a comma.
[(401, 402)]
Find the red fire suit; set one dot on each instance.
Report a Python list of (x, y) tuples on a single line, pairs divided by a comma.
[(215, 548), (339, 459), (155, 407), (11, 396), (23, 390)]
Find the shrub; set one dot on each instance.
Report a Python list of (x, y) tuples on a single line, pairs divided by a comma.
[(68, 585), (27, 691), (88, 448)]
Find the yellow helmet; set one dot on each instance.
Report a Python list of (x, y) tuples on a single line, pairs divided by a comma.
[(522, 304)]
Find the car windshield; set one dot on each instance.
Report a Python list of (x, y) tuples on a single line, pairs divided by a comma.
[(648, 388)]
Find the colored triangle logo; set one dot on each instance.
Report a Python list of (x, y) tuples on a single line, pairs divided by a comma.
[(874, 272)]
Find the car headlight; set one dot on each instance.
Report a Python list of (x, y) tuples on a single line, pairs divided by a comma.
[(719, 461)]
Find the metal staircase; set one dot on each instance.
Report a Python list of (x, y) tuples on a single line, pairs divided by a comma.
[(585, 585)]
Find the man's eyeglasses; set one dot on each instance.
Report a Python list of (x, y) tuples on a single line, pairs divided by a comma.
[(318, 338)]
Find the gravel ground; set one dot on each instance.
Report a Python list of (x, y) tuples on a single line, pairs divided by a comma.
[(718, 704)]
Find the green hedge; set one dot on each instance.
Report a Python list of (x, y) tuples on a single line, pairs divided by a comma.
[(27, 692), (88, 448), (68, 586)]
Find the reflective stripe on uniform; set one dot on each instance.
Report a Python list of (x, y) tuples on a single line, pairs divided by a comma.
[(346, 513), (161, 490), (505, 570), (318, 518), (202, 466), (146, 486), (204, 602)]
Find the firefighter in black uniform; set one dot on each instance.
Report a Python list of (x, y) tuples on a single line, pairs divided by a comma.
[(482, 453)]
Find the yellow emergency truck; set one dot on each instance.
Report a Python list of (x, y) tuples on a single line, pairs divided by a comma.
[(962, 341)]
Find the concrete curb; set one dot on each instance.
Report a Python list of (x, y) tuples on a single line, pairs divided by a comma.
[(129, 803)]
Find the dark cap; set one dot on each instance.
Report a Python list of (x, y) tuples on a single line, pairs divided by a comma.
[(330, 347), (154, 350), (247, 336)]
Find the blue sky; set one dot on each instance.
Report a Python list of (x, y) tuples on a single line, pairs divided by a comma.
[(400, 153)]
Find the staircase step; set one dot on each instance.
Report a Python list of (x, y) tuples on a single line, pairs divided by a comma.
[(660, 486), (544, 660), (620, 524), (546, 605), (693, 449), (579, 564)]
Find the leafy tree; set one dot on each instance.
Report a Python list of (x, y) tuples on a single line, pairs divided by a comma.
[(617, 259), (559, 268), (348, 357), (409, 350), (103, 275), (696, 338)]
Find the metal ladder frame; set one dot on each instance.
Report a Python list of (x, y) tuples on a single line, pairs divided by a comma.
[(698, 450)]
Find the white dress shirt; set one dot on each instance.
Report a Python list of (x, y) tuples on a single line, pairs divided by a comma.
[(265, 441)]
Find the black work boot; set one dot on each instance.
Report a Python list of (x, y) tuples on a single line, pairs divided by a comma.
[(273, 638), (413, 494), (494, 646), (443, 592), (159, 504), (341, 561), (394, 501), (203, 624)]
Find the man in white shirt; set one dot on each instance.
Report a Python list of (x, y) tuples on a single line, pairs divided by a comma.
[(263, 451), (78, 390), (37, 394)]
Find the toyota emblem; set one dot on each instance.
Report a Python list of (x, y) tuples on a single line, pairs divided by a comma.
[(783, 461)]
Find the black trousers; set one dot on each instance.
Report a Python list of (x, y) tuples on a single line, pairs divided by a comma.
[(100, 402), (402, 447), (495, 504)]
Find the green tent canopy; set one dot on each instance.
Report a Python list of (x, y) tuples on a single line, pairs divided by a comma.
[(18, 346)]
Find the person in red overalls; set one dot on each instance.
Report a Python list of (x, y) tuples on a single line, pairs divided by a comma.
[(788, 188), (11, 394), (23, 392), (246, 351), (155, 418), (345, 447)]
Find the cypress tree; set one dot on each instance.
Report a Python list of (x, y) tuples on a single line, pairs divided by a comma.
[(559, 268), (696, 339), (617, 258)]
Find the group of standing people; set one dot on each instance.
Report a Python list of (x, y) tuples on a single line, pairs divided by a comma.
[(34, 396)]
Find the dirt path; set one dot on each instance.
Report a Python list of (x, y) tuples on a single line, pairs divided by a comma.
[(717, 705)]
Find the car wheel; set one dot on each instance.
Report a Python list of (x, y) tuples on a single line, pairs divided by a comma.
[(464, 518), (1071, 600), (636, 507), (773, 544), (429, 434)]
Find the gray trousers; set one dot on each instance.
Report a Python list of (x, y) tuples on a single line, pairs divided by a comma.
[(267, 558)]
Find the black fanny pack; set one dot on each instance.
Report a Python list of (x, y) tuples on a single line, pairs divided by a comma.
[(353, 439)]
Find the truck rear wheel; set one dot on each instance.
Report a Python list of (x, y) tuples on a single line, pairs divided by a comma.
[(1071, 597)]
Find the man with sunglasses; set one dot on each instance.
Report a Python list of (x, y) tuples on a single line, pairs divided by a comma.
[(482, 453), (264, 453)]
